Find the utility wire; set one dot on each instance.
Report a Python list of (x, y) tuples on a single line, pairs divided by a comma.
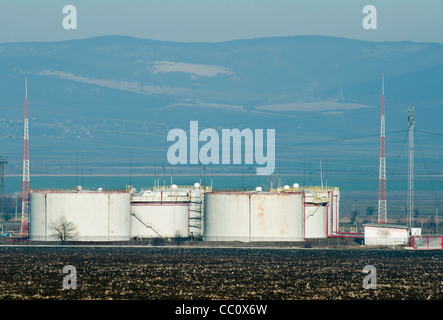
[(426, 168), (396, 161), (432, 133)]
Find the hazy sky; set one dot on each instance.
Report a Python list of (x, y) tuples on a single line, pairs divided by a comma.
[(220, 20)]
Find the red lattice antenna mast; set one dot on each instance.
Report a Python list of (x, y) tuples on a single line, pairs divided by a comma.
[(382, 214), (26, 173)]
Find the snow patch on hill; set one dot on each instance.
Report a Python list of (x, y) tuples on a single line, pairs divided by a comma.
[(196, 70)]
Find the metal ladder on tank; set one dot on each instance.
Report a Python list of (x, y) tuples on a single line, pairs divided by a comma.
[(147, 226), (312, 213), (196, 209)]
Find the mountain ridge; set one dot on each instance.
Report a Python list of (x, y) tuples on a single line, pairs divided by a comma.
[(132, 91)]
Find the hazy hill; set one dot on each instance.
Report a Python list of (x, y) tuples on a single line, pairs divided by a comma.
[(106, 95)]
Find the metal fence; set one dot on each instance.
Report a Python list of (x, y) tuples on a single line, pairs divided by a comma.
[(421, 242), (351, 229)]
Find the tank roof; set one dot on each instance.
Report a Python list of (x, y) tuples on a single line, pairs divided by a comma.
[(99, 190)]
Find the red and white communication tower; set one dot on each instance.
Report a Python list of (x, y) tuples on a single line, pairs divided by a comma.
[(382, 214), (26, 175)]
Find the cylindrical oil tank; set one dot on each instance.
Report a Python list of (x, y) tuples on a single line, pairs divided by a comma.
[(159, 220), (321, 212), (253, 216), (315, 220), (95, 215)]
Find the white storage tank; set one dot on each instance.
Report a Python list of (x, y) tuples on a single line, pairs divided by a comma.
[(315, 220), (167, 212), (96, 215), (253, 216), (321, 212), (159, 220)]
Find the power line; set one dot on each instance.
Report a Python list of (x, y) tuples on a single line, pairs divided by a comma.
[(431, 133), (426, 168), (396, 161)]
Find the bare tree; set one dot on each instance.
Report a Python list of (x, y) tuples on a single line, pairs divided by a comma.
[(64, 230)]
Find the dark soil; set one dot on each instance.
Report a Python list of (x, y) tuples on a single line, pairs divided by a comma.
[(156, 273)]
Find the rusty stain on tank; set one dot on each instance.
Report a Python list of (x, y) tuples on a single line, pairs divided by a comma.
[(260, 211)]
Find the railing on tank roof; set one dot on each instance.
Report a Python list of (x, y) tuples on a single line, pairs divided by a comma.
[(170, 190), (58, 190), (232, 189), (316, 188), (304, 188), (181, 187)]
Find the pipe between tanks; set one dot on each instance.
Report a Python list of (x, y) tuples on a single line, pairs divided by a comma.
[(249, 218), (304, 217), (130, 211), (332, 212), (346, 235), (327, 220), (340, 234)]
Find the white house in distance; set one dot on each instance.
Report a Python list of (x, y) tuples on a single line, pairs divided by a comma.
[(382, 234)]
